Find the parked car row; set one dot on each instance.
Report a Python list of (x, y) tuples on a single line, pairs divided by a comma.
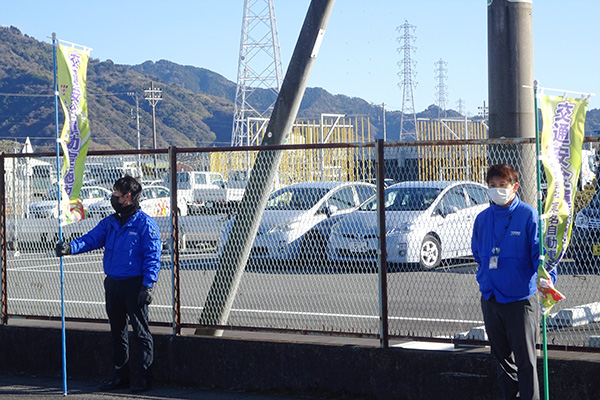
[(426, 222), (585, 238), (298, 218), (48, 207), (155, 200)]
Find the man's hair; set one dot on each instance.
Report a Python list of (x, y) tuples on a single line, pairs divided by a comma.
[(128, 184), (502, 171)]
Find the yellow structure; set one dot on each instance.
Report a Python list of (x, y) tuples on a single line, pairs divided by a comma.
[(583, 197), (451, 162), (310, 164)]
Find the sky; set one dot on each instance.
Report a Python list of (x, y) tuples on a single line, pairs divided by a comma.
[(359, 56)]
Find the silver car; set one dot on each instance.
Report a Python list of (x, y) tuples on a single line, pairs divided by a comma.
[(298, 219), (426, 222), (48, 208), (154, 201)]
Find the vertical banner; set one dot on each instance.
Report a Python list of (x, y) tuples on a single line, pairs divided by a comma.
[(75, 136), (561, 142)]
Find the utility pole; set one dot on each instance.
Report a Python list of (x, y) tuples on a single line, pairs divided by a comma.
[(153, 95), (223, 291), (510, 68), (483, 111), (137, 118)]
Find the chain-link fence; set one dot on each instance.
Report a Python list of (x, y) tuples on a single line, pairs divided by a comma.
[(294, 245)]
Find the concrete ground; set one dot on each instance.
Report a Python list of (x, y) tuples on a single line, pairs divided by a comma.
[(24, 387), (269, 366)]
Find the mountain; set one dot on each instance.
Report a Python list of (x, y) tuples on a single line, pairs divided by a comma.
[(196, 110)]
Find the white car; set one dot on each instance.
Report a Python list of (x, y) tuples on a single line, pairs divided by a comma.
[(298, 218), (154, 201), (48, 208), (426, 222)]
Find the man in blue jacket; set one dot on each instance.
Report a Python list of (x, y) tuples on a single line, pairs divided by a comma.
[(132, 248), (505, 245)]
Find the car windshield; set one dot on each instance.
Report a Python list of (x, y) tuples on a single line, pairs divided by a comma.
[(405, 199), (182, 177), (295, 198)]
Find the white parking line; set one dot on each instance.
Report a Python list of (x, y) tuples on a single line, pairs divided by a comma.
[(55, 271), (297, 313), (57, 301), (372, 317)]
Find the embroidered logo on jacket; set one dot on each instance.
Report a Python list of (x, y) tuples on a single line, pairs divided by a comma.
[(515, 233)]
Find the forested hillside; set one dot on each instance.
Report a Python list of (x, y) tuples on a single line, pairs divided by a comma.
[(196, 110)]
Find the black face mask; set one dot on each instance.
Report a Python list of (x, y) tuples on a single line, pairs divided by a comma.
[(114, 201)]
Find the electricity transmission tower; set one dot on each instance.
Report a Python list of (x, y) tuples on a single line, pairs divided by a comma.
[(259, 67), (441, 89), (407, 83), (460, 105)]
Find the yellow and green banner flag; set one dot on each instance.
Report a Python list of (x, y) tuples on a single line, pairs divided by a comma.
[(561, 143), (71, 81)]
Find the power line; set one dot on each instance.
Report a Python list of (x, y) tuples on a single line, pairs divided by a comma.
[(25, 95), (52, 95)]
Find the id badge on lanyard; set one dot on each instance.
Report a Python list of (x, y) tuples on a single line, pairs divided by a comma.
[(494, 258)]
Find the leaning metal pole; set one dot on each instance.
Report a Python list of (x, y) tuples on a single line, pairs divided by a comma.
[(235, 255)]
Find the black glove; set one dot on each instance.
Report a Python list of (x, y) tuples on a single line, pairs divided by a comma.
[(145, 296), (62, 249)]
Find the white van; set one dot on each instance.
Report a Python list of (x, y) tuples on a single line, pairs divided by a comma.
[(202, 191), (36, 176)]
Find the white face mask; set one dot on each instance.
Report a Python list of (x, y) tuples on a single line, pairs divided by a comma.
[(500, 196)]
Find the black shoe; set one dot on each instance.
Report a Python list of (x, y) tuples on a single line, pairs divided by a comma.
[(142, 385), (115, 383)]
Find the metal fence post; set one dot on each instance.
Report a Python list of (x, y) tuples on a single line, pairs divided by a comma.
[(381, 251), (175, 242), (3, 297)]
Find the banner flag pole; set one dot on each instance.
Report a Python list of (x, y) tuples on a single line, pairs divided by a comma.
[(541, 232), (558, 148), (60, 232)]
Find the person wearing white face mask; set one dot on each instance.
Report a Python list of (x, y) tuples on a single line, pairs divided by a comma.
[(505, 245)]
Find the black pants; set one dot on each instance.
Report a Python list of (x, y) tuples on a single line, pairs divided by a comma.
[(122, 307), (512, 329)]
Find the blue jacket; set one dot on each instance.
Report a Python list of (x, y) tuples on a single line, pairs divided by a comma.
[(514, 231), (130, 250)]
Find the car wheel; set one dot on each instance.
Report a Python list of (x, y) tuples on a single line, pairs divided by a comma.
[(313, 248), (430, 253)]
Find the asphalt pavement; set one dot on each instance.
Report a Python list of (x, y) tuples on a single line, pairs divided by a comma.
[(21, 387)]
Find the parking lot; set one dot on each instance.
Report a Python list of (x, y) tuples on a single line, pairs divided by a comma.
[(291, 295)]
